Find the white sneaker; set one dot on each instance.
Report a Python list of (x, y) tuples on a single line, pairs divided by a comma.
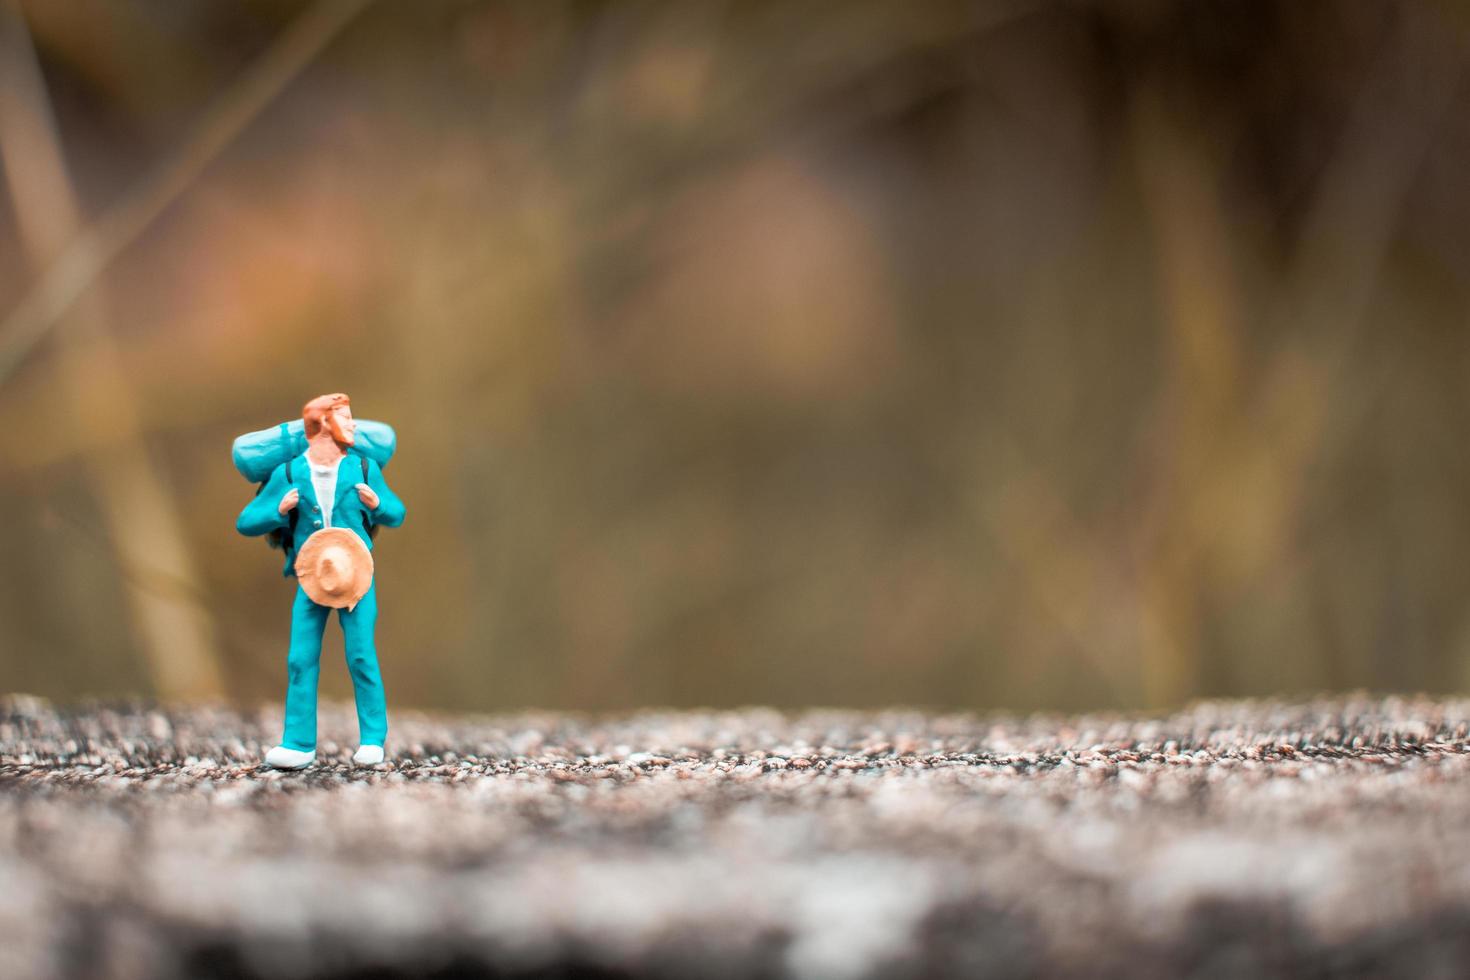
[(368, 755), (283, 758)]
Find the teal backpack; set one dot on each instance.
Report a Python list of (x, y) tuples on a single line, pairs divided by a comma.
[(257, 454)]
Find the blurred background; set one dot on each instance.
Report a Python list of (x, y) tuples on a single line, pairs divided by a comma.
[(986, 354)]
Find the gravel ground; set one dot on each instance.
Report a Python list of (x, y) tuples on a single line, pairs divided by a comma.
[(1232, 839)]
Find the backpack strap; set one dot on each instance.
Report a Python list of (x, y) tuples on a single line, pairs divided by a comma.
[(283, 537), (367, 525), (290, 543)]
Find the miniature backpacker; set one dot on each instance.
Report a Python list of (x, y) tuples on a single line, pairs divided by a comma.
[(257, 454)]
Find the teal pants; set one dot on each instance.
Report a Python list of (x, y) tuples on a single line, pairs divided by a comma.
[(303, 667)]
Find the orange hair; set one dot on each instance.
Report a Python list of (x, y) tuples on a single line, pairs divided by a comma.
[(315, 413)]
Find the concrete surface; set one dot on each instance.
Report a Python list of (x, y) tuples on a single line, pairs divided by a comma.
[(1230, 840)]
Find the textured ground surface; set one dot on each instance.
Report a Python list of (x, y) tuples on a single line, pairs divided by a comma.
[(1240, 839)]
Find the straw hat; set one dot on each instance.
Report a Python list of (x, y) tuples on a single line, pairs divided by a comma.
[(335, 568)]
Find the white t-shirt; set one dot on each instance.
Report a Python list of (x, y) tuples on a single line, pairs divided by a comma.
[(324, 482)]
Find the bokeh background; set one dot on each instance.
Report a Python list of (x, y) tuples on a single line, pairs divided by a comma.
[(1017, 354)]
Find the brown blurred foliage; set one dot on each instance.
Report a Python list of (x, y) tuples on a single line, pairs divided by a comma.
[(968, 354)]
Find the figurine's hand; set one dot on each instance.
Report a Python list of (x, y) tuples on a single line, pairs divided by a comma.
[(288, 501), (367, 496)]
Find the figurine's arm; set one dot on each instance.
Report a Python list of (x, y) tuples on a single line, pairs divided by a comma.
[(389, 512), (263, 514)]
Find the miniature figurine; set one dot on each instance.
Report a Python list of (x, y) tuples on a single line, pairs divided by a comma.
[(322, 500)]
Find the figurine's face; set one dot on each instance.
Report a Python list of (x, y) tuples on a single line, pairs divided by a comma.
[(343, 428)]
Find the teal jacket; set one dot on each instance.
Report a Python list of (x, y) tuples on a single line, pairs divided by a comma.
[(261, 515)]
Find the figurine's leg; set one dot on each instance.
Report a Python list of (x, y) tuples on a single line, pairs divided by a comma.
[(362, 664), (303, 665)]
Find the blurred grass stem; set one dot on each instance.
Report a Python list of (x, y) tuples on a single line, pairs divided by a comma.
[(72, 272), (139, 508)]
